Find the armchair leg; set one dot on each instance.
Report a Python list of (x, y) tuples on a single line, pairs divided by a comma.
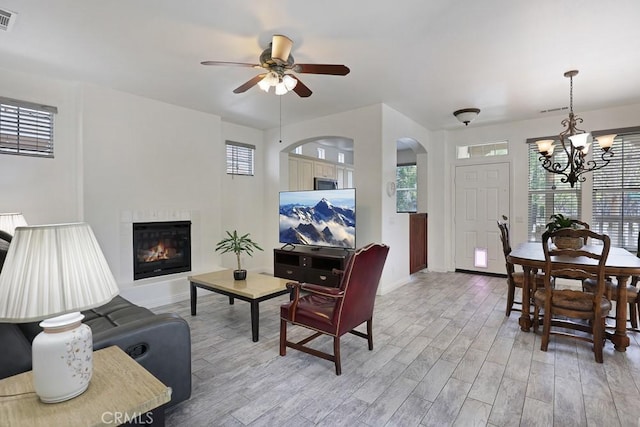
[(370, 333), (283, 337), (336, 355)]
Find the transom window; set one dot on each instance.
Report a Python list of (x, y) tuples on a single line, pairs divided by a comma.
[(483, 150)]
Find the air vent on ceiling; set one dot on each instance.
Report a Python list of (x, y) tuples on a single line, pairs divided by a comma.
[(7, 19), (553, 110)]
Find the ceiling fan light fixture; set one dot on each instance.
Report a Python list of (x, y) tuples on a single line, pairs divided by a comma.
[(271, 79), (281, 48), (289, 81), (281, 89), (466, 115), (264, 85)]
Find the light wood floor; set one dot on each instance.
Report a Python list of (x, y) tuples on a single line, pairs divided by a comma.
[(444, 354)]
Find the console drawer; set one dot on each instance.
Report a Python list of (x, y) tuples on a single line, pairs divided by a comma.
[(322, 277), (289, 272)]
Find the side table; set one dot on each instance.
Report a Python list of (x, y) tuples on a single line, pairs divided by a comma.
[(121, 391)]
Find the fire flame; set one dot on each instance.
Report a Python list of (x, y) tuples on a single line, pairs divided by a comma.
[(157, 253)]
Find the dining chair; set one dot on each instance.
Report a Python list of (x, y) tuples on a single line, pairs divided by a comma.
[(568, 308), (514, 279), (583, 225), (336, 311), (611, 292)]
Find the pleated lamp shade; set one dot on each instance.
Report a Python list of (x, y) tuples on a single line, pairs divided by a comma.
[(9, 222), (52, 270)]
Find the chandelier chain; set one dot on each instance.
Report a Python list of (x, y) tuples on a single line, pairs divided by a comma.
[(571, 94)]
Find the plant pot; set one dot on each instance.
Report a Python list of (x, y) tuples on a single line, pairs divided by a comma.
[(239, 274), (568, 242)]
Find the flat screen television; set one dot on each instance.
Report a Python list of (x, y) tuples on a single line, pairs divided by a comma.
[(318, 218)]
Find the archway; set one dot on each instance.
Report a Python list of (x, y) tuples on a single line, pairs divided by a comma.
[(327, 157)]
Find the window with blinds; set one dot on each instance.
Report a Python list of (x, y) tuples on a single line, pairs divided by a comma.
[(547, 194), (26, 128), (239, 158), (616, 193)]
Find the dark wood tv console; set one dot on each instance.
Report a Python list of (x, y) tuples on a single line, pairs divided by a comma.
[(310, 265)]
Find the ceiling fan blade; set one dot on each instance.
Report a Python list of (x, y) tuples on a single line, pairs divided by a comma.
[(281, 48), (301, 89), (336, 70), (233, 64), (248, 85)]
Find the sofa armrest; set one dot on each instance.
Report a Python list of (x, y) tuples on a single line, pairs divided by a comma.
[(161, 344)]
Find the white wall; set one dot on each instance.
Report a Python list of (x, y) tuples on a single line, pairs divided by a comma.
[(242, 200), (46, 191), (145, 160)]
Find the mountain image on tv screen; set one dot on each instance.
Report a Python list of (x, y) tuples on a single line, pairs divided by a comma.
[(318, 218)]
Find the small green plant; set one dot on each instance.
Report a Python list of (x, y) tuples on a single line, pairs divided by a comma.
[(559, 221), (237, 244)]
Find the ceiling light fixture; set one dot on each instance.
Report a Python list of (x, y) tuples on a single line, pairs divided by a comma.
[(466, 115), (283, 83), (577, 149)]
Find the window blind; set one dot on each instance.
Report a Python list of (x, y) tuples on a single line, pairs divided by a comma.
[(26, 128), (616, 193), (239, 158), (547, 194)]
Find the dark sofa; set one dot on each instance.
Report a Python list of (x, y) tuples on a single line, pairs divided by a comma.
[(159, 342)]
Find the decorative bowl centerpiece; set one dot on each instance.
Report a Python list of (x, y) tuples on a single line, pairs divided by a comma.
[(559, 221)]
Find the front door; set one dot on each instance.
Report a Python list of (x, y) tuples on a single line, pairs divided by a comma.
[(482, 198)]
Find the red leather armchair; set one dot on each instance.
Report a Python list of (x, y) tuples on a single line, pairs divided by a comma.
[(336, 311)]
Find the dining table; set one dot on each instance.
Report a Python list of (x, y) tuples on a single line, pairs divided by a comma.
[(620, 264)]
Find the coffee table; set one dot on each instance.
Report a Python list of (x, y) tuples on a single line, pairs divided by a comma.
[(255, 289)]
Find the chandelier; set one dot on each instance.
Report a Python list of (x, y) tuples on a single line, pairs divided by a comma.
[(576, 148)]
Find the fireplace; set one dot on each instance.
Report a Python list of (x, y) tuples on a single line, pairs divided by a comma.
[(161, 248)]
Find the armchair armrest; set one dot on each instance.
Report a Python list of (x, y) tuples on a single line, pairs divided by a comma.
[(322, 290), (152, 341)]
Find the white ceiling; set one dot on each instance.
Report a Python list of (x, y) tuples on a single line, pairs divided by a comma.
[(424, 58)]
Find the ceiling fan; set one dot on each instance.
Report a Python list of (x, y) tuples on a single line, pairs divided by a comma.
[(278, 64)]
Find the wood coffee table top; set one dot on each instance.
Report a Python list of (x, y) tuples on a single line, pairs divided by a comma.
[(255, 286)]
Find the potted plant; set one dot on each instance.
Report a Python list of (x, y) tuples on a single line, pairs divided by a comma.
[(237, 244), (559, 221)]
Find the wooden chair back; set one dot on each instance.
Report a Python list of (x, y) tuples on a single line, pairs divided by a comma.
[(571, 268)]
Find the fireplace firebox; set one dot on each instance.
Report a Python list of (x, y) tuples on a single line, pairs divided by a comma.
[(161, 248)]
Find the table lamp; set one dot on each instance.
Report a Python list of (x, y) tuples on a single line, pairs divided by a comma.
[(9, 222), (53, 272)]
